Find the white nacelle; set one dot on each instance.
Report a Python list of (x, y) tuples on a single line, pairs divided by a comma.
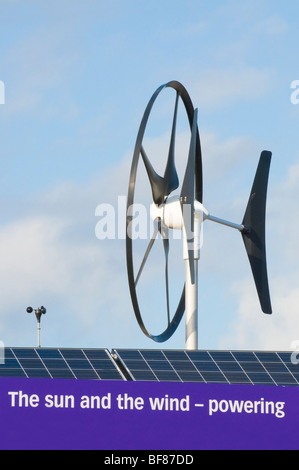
[(171, 215), (171, 212)]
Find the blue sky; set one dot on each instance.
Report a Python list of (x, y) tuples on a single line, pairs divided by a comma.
[(77, 76)]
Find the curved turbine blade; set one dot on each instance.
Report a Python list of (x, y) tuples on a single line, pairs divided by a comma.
[(187, 196), (170, 174), (158, 183), (254, 232), (147, 252)]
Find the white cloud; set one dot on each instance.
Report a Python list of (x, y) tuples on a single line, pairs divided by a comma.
[(50, 255), (36, 64), (273, 25), (250, 327), (217, 87), (56, 260), (221, 157)]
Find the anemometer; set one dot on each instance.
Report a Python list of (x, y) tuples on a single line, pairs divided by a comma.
[(187, 213)]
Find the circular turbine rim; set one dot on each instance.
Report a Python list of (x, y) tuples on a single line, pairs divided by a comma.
[(175, 321)]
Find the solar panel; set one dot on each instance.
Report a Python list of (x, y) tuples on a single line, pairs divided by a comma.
[(64, 363), (231, 367)]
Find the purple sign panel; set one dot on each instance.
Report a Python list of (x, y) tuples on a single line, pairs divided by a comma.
[(107, 415)]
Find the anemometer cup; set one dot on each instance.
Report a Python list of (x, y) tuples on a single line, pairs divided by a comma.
[(253, 235)]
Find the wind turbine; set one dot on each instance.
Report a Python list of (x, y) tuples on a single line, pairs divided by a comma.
[(186, 212)]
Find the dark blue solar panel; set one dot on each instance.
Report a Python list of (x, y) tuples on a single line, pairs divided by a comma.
[(159, 365), (189, 376), (214, 377), (55, 363), (229, 366), (67, 363), (110, 374), (206, 366), (96, 354), (85, 374), (144, 375), (154, 355), (49, 353), (31, 363), (246, 356), (38, 373), (10, 363), (8, 353), (167, 376), (266, 356), (239, 367), (8, 372), (61, 374), (252, 367), (183, 365), (199, 356), (235, 367), (176, 355), (237, 377), (222, 356), (25, 353), (79, 364), (72, 353), (261, 378)]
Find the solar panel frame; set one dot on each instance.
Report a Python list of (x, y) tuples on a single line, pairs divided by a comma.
[(231, 367), (65, 363), (261, 378), (239, 367)]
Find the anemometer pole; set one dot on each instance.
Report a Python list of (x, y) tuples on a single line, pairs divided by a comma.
[(38, 313)]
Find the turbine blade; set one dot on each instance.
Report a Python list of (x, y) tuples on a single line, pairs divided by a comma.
[(158, 183), (187, 196), (170, 174), (147, 252), (254, 233)]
